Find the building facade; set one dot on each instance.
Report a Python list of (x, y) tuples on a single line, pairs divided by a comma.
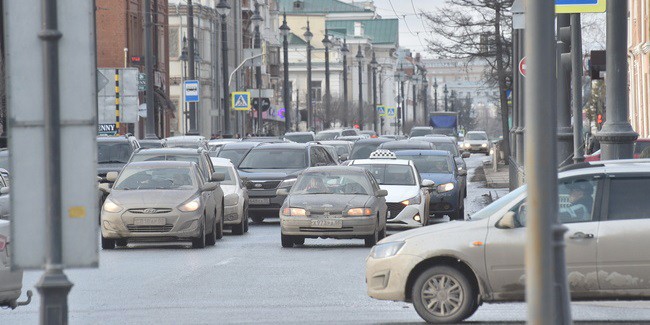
[(639, 66)]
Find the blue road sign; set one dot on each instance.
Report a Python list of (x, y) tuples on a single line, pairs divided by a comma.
[(381, 111), (191, 91), (390, 111), (579, 6), (241, 100)]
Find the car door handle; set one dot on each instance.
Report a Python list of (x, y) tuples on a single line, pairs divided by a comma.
[(581, 235)]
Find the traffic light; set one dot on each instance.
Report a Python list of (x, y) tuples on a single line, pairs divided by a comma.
[(599, 119)]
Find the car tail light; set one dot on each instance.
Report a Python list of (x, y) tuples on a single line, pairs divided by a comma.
[(3, 243)]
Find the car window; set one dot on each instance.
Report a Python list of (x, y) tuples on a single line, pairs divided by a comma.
[(450, 147), (235, 155), (391, 174), (313, 157), (133, 178), (332, 183), (628, 199), (275, 159), (115, 152), (363, 150), (230, 178), (430, 164), (349, 132), (325, 157), (322, 136), (420, 132), (476, 136), (300, 138)]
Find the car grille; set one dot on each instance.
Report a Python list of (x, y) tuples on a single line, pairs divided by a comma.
[(134, 228), (262, 185), (394, 209), (150, 211)]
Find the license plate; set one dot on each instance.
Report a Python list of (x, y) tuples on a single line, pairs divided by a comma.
[(259, 201), (149, 221), (325, 223)]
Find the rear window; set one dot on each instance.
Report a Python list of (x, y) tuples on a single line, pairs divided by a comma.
[(300, 138), (363, 150), (349, 132), (275, 159), (145, 157), (321, 136), (420, 132), (453, 149), (391, 174), (429, 164), (113, 153)]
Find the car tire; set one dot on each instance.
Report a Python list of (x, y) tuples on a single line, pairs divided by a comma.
[(219, 226), (240, 228), (465, 191), (199, 242), (257, 219), (372, 240), (211, 239), (382, 234), (246, 220), (120, 242), (287, 241), (457, 290), (108, 243), (298, 240)]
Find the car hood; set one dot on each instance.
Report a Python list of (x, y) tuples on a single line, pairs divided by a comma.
[(458, 226), (327, 202), (438, 178), (105, 168), (268, 174), (151, 198), (398, 193), (476, 141)]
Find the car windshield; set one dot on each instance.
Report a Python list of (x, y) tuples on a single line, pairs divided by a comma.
[(476, 136), (429, 164), (300, 138), (235, 155), (391, 174), (163, 157), (332, 183), (341, 149), (321, 136), (349, 132), (363, 150), (420, 132), (497, 205), (640, 146), (113, 153), (275, 159), (230, 178), (137, 178), (450, 147)]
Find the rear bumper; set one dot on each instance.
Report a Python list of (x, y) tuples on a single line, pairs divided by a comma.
[(11, 284), (353, 227)]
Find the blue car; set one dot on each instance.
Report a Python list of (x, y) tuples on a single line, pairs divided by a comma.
[(439, 166)]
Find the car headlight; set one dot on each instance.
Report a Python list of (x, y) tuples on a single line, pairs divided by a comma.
[(294, 212), (287, 183), (231, 199), (445, 187), (110, 206), (386, 250), (359, 212), (191, 205), (414, 200), (466, 145), (484, 145)]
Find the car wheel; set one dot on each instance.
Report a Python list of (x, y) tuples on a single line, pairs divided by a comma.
[(299, 240), (246, 220), (257, 219), (287, 241), (240, 228), (382, 234), (211, 239), (372, 240), (120, 242), (443, 294), (220, 226), (465, 191), (199, 242), (108, 243)]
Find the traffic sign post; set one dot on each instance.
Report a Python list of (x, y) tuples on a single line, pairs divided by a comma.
[(241, 100), (522, 66), (579, 6), (191, 91)]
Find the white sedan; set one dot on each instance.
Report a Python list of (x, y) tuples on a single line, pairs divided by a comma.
[(235, 196)]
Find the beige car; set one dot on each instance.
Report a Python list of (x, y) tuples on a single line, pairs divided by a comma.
[(447, 270)]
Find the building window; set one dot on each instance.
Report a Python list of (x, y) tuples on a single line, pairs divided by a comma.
[(316, 91), (174, 42)]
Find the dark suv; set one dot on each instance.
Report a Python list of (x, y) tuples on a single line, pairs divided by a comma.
[(277, 165), (113, 153)]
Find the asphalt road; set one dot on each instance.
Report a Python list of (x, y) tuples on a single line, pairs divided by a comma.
[(252, 279)]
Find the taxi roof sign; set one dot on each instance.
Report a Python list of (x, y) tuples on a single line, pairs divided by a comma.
[(579, 6)]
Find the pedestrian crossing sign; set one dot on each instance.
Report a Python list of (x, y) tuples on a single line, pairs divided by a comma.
[(390, 111), (381, 111), (579, 6), (241, 100)]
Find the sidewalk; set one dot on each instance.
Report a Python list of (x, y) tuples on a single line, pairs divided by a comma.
[(498, 179)]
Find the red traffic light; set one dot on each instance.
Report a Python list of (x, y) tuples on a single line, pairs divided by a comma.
[(356, 126), (599, 119)]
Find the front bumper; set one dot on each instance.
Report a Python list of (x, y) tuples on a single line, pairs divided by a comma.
[(386, 277), (353, 227), (231, 215), (178, 226), (264, 209), (404, 220), (447, 202)]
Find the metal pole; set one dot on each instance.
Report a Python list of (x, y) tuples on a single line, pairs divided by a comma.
[(515, 107), (425, 99), (190, 62), (519, 133), (540, 138), (54, 284), (446, 92), (297, 109), (360, 111), (565, 147), (345, 87), (285, 87), (258, 83), (309, 99), (415, 105), (328, 95), (401, 115), (150, 122), (374, 99), (616, 136), (224, 74), (435, 95), (576, 87)]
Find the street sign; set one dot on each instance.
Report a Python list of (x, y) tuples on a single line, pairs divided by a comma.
[(381, 111), (390, 111), (77, 129), (107, 129), (266, 104), (241, 100), (191, 91), (522, 66), (142, 82), (579, 6)]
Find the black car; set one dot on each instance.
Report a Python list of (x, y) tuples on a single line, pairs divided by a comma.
[(269, 167), (364, 147), (113, 153), (236, 151)]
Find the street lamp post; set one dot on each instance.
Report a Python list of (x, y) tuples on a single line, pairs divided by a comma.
[(453, 100), (223, 9), (190, 63), (285, 85), (344, 52), (446, 92), (257, 20), (308, 36), (414, 86), (373, 65), (328, 44), (359, 57), (425, 99), (435, 94)]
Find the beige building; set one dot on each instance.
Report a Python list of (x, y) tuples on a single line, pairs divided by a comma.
[(639, 66)]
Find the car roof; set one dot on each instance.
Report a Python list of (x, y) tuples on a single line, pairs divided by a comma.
[(621, 166), (222, 162), (381, 162), (422, 128), (476, 132), (335, 169), (299, 133), (333, 142), (240, 145), (423, 152), (284, 145), (410, 144), (112, 139), (151, 141), (161, 164), (167, 151), (186, 138), (441, 139), (375, 140)]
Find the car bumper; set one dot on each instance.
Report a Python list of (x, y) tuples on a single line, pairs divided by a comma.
[(405, 220), (231, 215), (386, 277), (474, 149), (177, 228), (11, 284), (352, 227), (444, 202), (269, 208)]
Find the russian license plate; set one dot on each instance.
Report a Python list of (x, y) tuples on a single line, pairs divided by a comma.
[(259, 201), (149, 221), (327, 223)]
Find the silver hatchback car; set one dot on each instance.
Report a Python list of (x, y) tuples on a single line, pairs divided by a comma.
[(447, 270), (162, 201)]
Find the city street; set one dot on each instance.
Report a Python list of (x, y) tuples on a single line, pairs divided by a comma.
[(252, 279)]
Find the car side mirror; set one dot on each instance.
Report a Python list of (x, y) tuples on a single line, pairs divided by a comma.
[(282, 192), (211, 186), (343, 157), (218, 177), (381, 193), (4, 190), (104, 187), (111, 176), (462, 172), (465, 154), (428, 183), (507, 221)]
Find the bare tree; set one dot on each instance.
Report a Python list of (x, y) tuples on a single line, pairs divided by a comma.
[(476, 30)]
